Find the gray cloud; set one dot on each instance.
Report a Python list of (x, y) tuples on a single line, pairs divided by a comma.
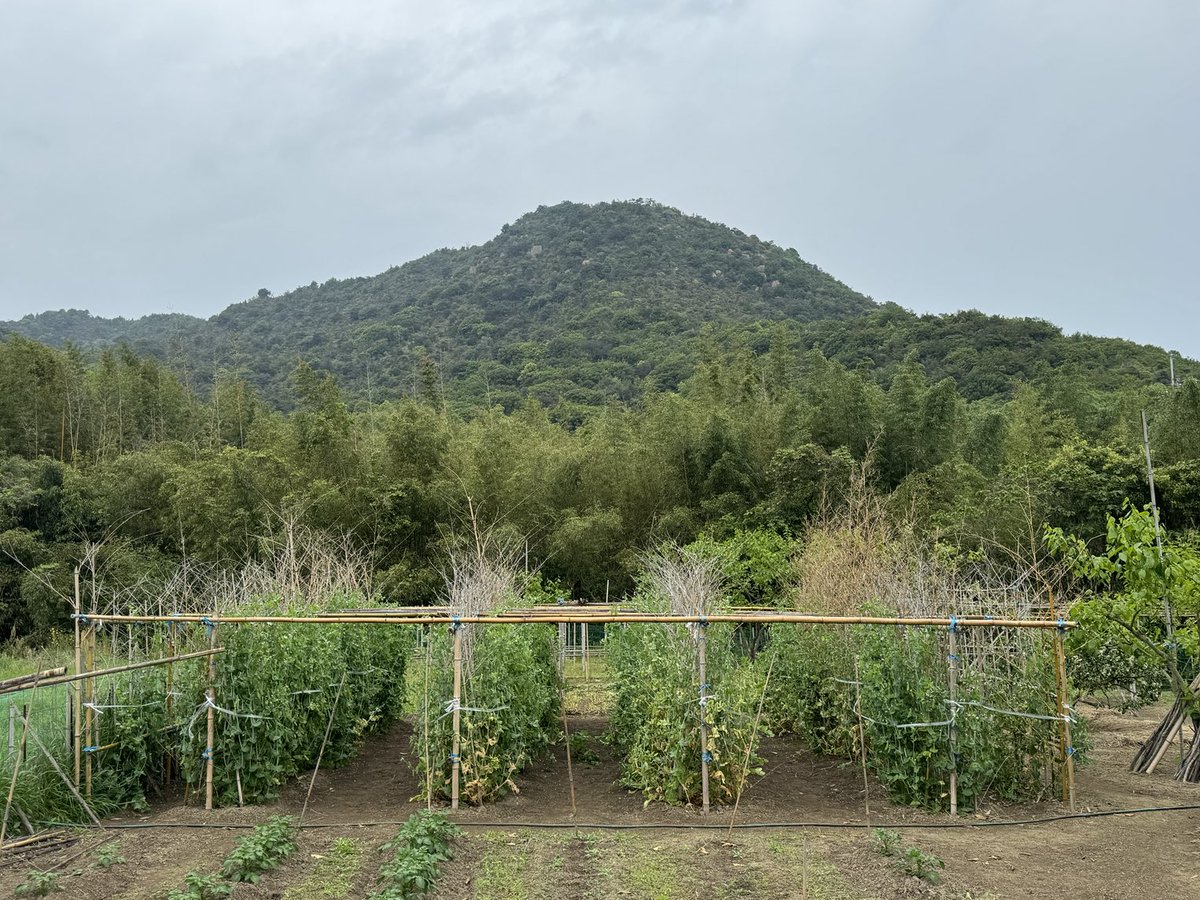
[(1020, 157)]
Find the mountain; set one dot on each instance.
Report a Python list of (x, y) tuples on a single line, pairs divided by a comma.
[(582, 302), (589, 304)]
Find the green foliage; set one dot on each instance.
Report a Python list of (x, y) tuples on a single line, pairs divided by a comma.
[(282, 710), (916, 862), (510, 710), (202, 887), (38, 884), (657, 709), (885, 842), (419, 848), (903, 680), (581, 750), (1122, 639), (261, 851), (109, 855)]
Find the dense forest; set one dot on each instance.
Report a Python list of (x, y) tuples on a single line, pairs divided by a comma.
[(116, 449)]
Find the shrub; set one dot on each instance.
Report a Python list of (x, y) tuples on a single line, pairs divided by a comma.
[(510, 709), (418, 849), (261, 851)]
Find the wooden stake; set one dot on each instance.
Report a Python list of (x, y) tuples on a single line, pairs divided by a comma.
[(76, 690), (702, 661), (1064, 730), (428, 769), (456, 721), (170, 698), (212, 721), (952, 660), (862, 743), (562, 708), (89, 693), (320, 753)]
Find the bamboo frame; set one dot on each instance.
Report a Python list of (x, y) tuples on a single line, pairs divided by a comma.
[(952, 662), (552, 617), (212, 721), (702, 665), (1068, 752)]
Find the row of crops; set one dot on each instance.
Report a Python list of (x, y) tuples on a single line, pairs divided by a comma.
[(288, 693)]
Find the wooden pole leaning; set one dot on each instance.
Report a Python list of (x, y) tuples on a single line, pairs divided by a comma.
[(702, 664), (952, 662), (456, 721), (212, 721)]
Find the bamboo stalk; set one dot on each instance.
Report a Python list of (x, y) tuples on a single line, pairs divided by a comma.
[(862, 744), (24, 682), (12, 785), (952, 662), (1068, 752), (554, 618), (457, 719), (75, 689), (84, 676), (212, 722), (702, 663), (320, 753), (89, 691), (67, 781)]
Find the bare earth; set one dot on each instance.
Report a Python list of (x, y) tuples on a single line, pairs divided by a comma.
[(1124, 856)]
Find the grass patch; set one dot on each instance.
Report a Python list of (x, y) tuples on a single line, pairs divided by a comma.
[(503, 869), (333, 875)]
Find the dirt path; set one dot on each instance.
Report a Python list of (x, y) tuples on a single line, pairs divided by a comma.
[(1154, 854)]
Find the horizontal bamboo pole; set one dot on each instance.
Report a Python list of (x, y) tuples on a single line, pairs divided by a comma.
[(118, 669), (551, 618), (27, 681)]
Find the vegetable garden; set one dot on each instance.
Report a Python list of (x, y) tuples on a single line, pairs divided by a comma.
[(231, 694)]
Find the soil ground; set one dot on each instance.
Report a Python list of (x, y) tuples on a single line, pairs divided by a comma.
[(499, 856)]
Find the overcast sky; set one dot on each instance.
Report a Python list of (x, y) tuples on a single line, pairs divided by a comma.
[(1018, 156)]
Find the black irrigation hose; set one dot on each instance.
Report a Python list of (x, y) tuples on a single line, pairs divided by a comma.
[(645, 826)]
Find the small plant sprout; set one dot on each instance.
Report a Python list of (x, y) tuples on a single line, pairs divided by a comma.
[(38, 884), (108, 856), (885, 842), (916, 862)]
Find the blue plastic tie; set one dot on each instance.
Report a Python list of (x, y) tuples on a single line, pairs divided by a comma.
[(708, 757), (206, 753), (1070, 751), (1061, 624), (953, 623), (83, 618), (90, 749), (702, 621), (561, 601), (209, 624), (454, 757), (953, 657), (705, 687), (455, 624)]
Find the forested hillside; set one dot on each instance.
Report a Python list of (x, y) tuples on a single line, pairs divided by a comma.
[(119, 451), (578, 306)]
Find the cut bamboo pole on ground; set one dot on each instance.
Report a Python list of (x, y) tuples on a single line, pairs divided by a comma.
[(456, 721), (25, 682)]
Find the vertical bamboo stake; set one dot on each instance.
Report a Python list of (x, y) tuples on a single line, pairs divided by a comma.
[(862, 742), (456, 721), (170, 698), (428, 769), (212, 722), (952, 661), (12, 728), (1064, 726), (76, 688), (89, 693), (583, 626), (701, 657)]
